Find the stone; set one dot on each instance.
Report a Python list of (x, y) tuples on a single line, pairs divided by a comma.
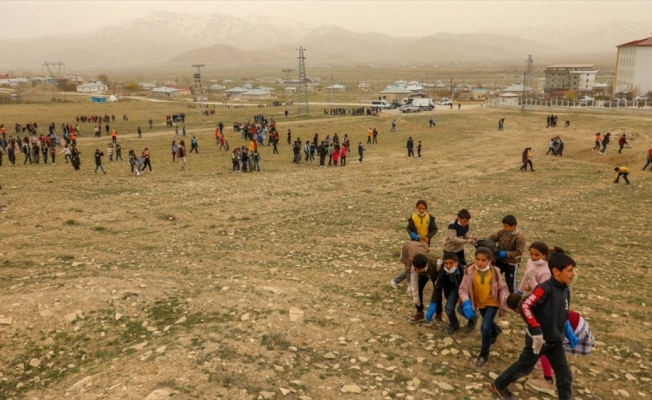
[(267, 395), (296, 382), (81, 384), (245, 317), (390, 369), (34, 362), (415, 382), (161, 349), (295, 314), (45, 313), (181, 320), (329, 356), (279, 368), (74, 316), (445, 386), (420, 360), (493, 375), (351, 389), (76, 264), (6, 321), (284, 391), (118, 316), (138, 346), (455, 352), (159, 394), (623, 393), (630, 377), (466, 353), (363, 359), (448, 341)]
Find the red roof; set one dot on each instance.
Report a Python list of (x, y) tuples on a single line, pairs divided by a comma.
[(642, 42)]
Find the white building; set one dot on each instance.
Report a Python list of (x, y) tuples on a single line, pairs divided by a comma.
[(164, 91), (256, 94), (577, 77), (337, 88), (634, 66), (92, 87), (235, 91)]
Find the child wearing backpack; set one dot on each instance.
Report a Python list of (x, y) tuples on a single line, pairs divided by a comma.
[(482, 289), (458, 236)]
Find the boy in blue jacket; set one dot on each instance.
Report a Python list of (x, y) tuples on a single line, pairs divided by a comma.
[(545, 312)]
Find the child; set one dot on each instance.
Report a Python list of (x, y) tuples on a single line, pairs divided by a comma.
[(483, 289), (621, 171), (424, 269), (98, 161), (511, 244), (409, 250), (536, 268), (622, 142), (361, 150), (598, 140), (526, 157), (545, 312), (448, 279), (421, 225), (419, 149), (458, 236), (605, 142)]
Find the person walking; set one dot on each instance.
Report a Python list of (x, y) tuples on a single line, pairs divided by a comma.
[(361, 150), (98, 161), (622, 141), (649, 159), (605, 142), (598, 140), (193, 144), (182, 155), (431, 121), (146, 160), (526, 157)]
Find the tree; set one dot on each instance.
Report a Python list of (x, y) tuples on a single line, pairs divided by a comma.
[(132, 86), (570, 95), (103, 78)]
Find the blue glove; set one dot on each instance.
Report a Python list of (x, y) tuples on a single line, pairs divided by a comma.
[(468, 310), (414, 236), (502, 254), (570, 335), (431, 311), (519, 292)]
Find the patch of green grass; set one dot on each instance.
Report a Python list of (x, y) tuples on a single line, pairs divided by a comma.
[(70, 222)]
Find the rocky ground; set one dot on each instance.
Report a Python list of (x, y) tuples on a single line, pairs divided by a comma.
[(208, 284)]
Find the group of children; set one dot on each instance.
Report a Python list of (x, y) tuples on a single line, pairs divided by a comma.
[(556, 146), (479, 291)]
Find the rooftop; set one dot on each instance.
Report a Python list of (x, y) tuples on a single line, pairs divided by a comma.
[(641, 42), (570, 66)]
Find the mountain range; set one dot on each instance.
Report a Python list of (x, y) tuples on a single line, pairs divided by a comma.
[(167, 40)]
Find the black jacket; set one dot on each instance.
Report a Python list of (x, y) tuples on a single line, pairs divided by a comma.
[(98, 157), (545, 310), (448, 283)]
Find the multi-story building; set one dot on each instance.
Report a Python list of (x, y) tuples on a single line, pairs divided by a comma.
[(634, 66), (577, 77)]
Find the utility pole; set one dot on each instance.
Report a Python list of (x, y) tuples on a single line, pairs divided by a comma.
[(303, 87), (451, 95), (197, 77), (523, 92), (54, 75)]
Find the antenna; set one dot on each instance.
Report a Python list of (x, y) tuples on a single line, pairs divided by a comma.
[(303, 88)]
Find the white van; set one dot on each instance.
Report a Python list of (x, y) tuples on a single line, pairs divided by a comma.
[(382, 104)]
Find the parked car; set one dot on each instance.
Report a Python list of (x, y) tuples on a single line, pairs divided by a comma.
[(445, 101), (395, 104), (642, 98), (409, 108), (382, 104), (586, 101)]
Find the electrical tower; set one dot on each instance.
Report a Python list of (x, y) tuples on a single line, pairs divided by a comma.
[(303, 87), (528, 72), (197, 78), (54, 75)]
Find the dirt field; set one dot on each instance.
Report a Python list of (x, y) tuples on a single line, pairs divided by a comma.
[(208, 284)]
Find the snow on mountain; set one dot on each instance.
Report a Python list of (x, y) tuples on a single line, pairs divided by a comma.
[(596, 39)]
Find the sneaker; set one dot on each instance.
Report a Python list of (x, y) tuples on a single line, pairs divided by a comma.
[(450, 329), (504, 394), (542, 386), (495, 336), (481, 361), (394, 284), (438, 321), (417, 318), (470, 326)]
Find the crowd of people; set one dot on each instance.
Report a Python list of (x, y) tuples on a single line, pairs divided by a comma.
[(478, 293)]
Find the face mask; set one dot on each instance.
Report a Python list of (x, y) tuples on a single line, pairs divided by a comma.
[(422, 215), (450, 271), (485, 269), (539, 263)]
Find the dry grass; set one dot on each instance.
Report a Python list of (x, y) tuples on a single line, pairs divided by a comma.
[(212, 245)]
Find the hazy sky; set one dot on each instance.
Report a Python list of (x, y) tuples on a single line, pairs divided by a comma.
[(26, 18)]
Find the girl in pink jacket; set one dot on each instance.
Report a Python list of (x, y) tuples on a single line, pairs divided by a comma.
[(484, 290)]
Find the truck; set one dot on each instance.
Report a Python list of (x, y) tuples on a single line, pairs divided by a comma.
[(423, 103)]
